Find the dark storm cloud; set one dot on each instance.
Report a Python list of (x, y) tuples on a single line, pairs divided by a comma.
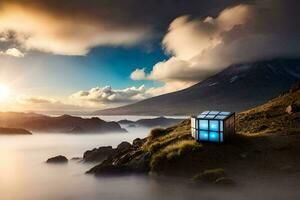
[(73, 27)]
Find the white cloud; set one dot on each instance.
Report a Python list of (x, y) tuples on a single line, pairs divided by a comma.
[(138, 74), (104, 96), (200, 48), (12, 52)]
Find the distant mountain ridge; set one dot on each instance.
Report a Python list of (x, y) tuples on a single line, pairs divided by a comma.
[(237, 88), (152, 122), (61, 124)]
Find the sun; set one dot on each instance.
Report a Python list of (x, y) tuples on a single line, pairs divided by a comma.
[(4, 92)]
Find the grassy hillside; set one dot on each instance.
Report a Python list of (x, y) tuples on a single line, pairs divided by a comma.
[(267, 141), (278, 116), (272, 128)]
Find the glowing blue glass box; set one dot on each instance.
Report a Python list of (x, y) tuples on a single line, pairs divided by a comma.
[(213, 126)]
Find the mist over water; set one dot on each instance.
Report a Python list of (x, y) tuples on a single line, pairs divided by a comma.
[(24, 174)]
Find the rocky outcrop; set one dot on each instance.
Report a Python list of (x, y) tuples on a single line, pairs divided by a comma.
[(99, 154), (123, 146), (126, 158), (14, 131), (57, 159)]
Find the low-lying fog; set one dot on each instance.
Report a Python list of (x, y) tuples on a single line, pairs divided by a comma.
[(24, 175)]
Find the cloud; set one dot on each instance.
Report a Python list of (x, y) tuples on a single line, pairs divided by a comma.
[(37, 29), (12, 52), (104, 96), (138, 74), (74, 27), (201, 47), (37, 103)]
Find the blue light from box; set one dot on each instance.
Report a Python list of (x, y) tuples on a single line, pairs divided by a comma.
[(203, 135), (214, 125), (203, 124), (213, 136)]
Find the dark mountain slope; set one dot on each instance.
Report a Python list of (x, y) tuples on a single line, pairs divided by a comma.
[(237, 88)]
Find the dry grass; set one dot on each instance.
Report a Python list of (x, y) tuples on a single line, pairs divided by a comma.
[(173, 152), (271, 117)]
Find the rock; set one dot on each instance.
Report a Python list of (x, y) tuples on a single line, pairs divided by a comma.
[(124, 162), (76, 158), (57, 159), (210, 176), (98, 155), (224, 181), (292, 108), (123, 146), (107, 170), (140, 163), (289, 110), (138, 142)]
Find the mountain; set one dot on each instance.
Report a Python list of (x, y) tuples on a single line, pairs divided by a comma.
[(14, 131), (238, 87), (61, 124)]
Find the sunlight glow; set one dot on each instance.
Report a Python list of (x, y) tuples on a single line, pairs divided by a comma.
[(4, 92)]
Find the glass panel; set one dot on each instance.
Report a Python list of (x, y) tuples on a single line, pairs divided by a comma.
[(201, 116), (213, 112), (203, 124), (210, 116), (220, 117), (224, 113), (221, 136), (203, 135), (205, 112), (221, 125), (214, 125), (213, 136)]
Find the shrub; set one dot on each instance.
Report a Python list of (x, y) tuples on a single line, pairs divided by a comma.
[(157, 132)]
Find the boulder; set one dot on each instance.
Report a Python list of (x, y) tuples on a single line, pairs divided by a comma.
[(138, 142), (98, 155), (292, 108), (123, 146), (57, 159)]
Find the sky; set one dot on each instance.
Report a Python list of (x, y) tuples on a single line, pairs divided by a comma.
[(74, 55)]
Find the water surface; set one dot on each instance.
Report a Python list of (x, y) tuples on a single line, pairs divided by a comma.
[(25, 176)]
